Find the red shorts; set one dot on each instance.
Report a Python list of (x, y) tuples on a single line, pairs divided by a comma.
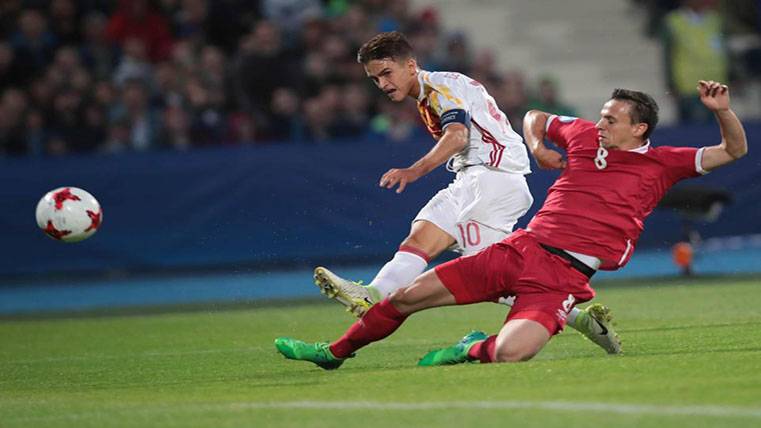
[(545, 285)]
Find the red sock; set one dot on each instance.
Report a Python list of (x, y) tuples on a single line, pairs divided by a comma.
[(380, 321), (484, 351)]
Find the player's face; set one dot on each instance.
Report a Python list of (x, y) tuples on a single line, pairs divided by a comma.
[(397, 79), (615, 129)]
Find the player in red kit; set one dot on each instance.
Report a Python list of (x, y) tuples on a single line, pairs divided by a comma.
[(612, 179)]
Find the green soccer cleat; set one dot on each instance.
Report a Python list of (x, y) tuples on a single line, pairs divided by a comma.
[(318, 353), (455, 354), (351, 294), (595, 322)]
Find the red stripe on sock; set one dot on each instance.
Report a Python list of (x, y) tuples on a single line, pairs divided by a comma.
[(484, 351), (412, 250), (379, 322)]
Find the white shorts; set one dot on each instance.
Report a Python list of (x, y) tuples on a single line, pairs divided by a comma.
[(479, 208)]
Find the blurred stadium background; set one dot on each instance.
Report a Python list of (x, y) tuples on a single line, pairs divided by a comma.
[(235, 144)]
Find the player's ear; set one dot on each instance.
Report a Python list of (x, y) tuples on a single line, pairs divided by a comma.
[(411, 65), (640, 129)]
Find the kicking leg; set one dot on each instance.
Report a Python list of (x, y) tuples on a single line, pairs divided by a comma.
[(425, 242)]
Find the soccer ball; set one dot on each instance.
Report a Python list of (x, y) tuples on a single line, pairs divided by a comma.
[(69, 214)]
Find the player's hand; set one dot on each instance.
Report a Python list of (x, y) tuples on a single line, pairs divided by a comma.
[(549, 159), (714, 95), (400, 176)]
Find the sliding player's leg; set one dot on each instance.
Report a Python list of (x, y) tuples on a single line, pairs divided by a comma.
[(379, 322)]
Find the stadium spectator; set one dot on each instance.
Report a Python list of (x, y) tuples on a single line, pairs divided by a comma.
[(208, 119), (13, 104), (512, 96), (10, 75), (67, 125), (484, 69), (36, 136), (118, 137), (242, 129), (290, 16), (694, 48), (743, 26), (134, 64), (33, 44), (176, 130), (138, 20), (96, 51), (396, 122), (284, 123), (547, 99), (190, 20), (456, 56), (65, 21), (317, 119), (134, 110), (262, 65), (354, 109)]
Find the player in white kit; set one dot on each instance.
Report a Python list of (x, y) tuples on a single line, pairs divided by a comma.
[(479, 208)]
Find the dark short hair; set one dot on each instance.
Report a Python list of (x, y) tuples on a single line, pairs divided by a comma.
[(643, 108), (392, 45)]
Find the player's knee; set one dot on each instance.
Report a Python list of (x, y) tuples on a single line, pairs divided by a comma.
[(413, 241), (402, 300)]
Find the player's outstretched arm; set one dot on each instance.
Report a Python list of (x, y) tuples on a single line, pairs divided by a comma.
[(534, 132), (455, 139), (734, 145)]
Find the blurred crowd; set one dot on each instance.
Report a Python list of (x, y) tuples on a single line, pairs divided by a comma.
[(705, 39), (130, 75)]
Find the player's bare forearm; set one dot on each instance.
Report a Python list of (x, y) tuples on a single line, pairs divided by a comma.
[(534, 125), (732, 133), (455, 139), (534, 132), (734, 144)]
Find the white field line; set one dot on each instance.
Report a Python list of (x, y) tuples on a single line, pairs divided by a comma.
[(634, 409), (559, 406)]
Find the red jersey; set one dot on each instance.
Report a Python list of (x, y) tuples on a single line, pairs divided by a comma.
[(598, 208)]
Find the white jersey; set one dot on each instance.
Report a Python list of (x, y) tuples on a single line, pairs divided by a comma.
[(492, 142)]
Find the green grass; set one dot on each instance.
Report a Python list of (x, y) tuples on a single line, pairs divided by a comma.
[(692, 358)]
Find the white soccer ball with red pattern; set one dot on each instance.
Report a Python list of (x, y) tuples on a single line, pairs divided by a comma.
[(69, 214)]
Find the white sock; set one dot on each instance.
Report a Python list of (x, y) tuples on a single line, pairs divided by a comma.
[(398, 273), (571, 319)]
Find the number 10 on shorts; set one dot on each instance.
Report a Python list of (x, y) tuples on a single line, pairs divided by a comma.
[(470, 233)]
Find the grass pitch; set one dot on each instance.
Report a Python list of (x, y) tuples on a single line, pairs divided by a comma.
[(692, 358)]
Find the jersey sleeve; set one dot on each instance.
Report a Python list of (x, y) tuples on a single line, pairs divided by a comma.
[(682, 162), (447, 103), (563, 130)]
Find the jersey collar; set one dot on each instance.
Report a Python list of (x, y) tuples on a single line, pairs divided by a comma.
[(421, 83), (642, 149)]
